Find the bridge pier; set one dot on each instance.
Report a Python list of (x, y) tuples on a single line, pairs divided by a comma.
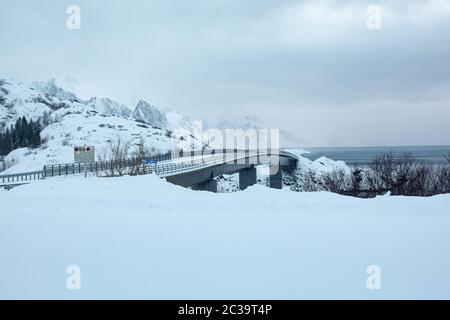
[(247, 178), (208, 185), (276, 177)]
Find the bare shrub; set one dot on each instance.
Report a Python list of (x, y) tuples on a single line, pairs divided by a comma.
[(418, 182), (389, 171), (301, 180), (401, 174), (356, 180), (138, 156), (6, 164), (309, 181), (116, 155), (335, 181), (404, 175), (290, 178), (444, 179), (381, 172), (440, 180)]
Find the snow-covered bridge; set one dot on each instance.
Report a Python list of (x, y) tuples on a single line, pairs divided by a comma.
[(196, 170), (201, 175)]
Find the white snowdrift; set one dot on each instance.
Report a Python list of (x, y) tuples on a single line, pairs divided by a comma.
[(140, 237)]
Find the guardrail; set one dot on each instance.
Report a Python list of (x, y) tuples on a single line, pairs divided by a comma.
[(21, 177)]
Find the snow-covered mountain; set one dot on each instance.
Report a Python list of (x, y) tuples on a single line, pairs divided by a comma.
[(109, 107), (19, 99), (49, 88), (150, 114), (72, 121)]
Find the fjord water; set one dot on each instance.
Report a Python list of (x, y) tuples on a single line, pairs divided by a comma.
[(361, 156)]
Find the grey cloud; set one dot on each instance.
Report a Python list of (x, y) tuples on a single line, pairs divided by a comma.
[(310, 67)]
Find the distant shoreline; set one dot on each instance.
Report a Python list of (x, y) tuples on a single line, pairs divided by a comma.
[(361, 156)]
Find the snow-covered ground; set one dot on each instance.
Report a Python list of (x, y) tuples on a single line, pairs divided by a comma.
[(141, 237)]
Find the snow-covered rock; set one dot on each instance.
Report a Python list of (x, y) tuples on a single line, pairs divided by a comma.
[(324, 164), (320, 165), (50, 88), (109, 107), (228, 183), (150, 114), (309, 175)]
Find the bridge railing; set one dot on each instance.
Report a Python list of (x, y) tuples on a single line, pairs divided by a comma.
[(97, 166), (172, 168)]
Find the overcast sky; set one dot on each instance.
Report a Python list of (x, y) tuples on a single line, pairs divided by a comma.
[(309, 67)]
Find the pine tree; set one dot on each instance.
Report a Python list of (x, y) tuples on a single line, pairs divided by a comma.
[(2, 143), (22, 134)]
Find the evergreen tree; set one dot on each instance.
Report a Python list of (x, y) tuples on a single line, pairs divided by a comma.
[(21, 134)]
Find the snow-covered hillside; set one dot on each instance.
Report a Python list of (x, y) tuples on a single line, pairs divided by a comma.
[(73, 121), (140, 237), (18, 99), (50, 89), (89, 128), (76, 122)]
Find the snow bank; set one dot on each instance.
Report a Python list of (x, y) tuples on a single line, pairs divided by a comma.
[(228, 183), (320, 165), (140, 237)]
